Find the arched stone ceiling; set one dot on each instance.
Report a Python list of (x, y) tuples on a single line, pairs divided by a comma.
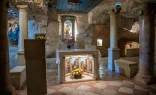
[(85, 6)]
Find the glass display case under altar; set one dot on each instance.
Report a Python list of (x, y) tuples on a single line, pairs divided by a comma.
[(77, 65)]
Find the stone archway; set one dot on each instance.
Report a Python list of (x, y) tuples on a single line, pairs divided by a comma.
[(132, 49)]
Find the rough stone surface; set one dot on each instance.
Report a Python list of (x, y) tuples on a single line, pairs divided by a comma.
[(100, 14), (52, 40), (33, 28), (103, 31), (13, 57), (81, 24)]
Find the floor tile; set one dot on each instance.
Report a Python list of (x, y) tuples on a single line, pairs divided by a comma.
[(89, 83), (111, 87), (110, 84), (140, 92), (90, 93), (121, 93), (115, 83), (139, 88), (74, 85), (57, 87), (95, 90), (100, 85), (59, 93), (109, 92), (128, 85), (126, 90), (77, 92), (83, 87), (50, 91), (66, 89), (127, 82)]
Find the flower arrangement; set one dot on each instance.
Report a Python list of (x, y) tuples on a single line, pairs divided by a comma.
[(40, 36), (77, 71), (69, 42)]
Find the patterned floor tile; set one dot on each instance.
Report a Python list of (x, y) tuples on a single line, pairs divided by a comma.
[(90, 83), (140, 92), (57, 87), (109, 92), (77, 92), (121, 93), (110, 87), (100, 85), (59, 93), (126, 90), (74, 85), (139, 88), (115, 83), (50, 91), (90, 93), (110, 84), (66, 89), (128, 85), (83, 87), (95, 90), (127, 82)]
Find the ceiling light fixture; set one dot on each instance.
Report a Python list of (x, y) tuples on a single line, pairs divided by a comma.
[(74, 2)]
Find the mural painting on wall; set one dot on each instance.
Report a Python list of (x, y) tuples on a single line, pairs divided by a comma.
[(13, 33), (67, 29), (85, 62)]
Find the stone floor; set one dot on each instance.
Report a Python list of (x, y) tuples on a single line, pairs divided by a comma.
[(110, 83)]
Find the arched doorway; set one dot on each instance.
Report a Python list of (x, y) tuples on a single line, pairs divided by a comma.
[(132, 49)]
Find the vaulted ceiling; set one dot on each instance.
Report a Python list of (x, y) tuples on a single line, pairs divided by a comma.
[(84, 6)]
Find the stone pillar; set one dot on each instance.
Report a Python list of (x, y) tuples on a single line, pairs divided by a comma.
[(113, 51), (23, 34), (147, 39), (5, 84)]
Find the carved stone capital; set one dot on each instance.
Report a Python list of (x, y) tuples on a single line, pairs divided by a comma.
[(22, 7)]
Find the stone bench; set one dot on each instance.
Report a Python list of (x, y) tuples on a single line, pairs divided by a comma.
[(127, 68), (18, 76)]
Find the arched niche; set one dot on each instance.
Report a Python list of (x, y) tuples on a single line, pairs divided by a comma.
[(68, 27), (132, 48)]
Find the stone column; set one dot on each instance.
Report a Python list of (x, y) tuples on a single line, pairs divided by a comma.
[(113, 51), (5, 84), (147, 39), (23, 34)]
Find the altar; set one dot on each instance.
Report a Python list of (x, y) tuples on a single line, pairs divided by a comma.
[(77, 65)]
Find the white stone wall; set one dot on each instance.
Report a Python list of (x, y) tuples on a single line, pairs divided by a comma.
[(81, 24), (100, 14), (33, 28), (52, 35), (13, 57)]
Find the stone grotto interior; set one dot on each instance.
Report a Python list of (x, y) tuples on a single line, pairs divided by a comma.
[(77, 47)]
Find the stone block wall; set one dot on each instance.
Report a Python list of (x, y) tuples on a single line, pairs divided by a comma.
[(81, 24), (104, 32), (52, 35), (13, 57)]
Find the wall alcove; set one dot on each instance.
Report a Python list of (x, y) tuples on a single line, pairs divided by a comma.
[(68, 27)]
